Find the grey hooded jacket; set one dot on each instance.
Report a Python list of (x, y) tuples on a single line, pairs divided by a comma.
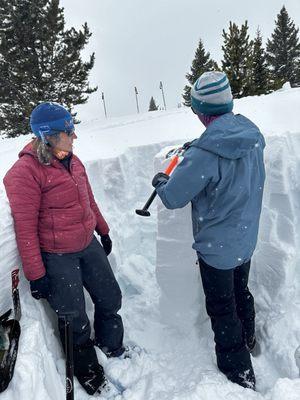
[(223, 175)]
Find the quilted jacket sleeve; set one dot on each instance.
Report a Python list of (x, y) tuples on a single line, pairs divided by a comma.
[(189, 178), (102, 226), (24, 195)]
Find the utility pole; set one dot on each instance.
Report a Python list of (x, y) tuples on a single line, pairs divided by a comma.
[(163, 94), (103, 99), (136, 98)]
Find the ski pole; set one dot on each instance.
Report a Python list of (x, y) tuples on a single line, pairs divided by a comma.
[(15, 293), (144, 211), (68, 322)]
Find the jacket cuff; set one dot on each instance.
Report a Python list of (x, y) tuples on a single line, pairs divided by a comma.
[(103, 230), (32, 275)]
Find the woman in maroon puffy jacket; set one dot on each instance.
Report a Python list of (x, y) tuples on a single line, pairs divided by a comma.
[(55, 216)]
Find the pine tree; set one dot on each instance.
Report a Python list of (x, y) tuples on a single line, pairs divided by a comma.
[(187, 96), (259, 75), (283, 50), (297, 80), (39, 61), (236, 63), (152, 105), (201, 63)]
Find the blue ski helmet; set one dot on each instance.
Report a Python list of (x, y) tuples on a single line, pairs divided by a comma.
[(49, 119)]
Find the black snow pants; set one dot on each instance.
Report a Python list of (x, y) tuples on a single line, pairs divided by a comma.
[(230, 306), (68, 274)]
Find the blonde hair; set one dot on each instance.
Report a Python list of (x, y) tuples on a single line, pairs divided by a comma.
[(44, 150)]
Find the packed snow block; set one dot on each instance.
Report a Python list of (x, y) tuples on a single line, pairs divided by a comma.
[(276, 257), (182, 301), (120, 185)]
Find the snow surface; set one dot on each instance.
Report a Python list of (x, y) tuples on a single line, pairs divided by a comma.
[(163, 304)]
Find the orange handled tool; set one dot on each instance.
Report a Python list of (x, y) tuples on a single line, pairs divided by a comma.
[(144, 211), (172, 165)]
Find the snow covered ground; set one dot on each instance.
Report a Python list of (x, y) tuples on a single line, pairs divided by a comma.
[(163, 306)]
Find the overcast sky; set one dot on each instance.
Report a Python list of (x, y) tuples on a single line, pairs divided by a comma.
[(142, 42)]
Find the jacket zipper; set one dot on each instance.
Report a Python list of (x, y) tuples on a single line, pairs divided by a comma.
[(78, 196)]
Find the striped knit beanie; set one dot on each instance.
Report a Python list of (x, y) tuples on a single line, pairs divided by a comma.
[(211, 94)]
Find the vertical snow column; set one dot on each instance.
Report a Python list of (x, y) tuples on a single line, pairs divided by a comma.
[(275, 273), (120, 185), (182, 300), (276, 255)]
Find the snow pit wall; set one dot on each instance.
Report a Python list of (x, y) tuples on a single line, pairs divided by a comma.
[(124, 183), (121, 185)]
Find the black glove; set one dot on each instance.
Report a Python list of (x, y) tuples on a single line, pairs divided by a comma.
[(159, 178), (106, 243), (40, 288)]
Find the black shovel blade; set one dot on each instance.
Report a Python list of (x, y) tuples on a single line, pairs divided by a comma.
[(143, 213)]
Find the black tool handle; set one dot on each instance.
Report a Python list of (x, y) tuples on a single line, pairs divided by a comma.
[(144, 211), (68, 321), (150, 200)]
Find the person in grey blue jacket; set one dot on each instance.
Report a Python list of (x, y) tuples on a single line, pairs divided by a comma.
[(222, 174)]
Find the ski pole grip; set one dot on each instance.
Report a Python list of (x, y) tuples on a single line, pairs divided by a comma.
[(15, 278)]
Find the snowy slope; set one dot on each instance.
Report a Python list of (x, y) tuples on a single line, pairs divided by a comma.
[(163, 311)]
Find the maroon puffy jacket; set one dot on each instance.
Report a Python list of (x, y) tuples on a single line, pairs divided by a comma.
[(54, 210)]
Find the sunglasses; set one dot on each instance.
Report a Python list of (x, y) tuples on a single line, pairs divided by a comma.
[(45, 132), (67, 131)]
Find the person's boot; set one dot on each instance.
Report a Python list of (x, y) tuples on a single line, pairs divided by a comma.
[(87, 370), (237, 367), (243, 378), (93, 380), (123, 352)]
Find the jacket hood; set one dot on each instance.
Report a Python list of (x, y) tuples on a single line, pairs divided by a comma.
[(28, 149), (230, 136)]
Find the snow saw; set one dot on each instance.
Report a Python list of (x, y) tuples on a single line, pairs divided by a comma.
[(9, 335)]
